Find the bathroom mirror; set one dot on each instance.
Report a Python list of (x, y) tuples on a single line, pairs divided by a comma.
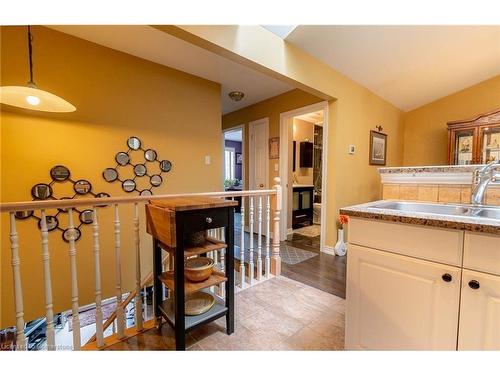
[(110, 174), (146, 192), (156, 180), (122, 158), (87, 216), (140, 170), (82, 187), (59, 173), (134, 143), (71, 232), (41, 191), (23, 214), (150, 155), (165, 165), (128, 185), (51, 221)]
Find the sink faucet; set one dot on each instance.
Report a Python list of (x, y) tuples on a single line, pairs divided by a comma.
[(480, 180)]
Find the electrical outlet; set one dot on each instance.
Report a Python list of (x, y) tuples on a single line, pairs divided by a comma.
[(352, 149)]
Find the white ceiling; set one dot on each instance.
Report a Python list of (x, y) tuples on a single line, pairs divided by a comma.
[(409, 66), (234, 135), (313, 117), (154, 45)]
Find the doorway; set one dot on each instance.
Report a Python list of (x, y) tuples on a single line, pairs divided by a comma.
[(258, 160), (233, 172), (303, 164)]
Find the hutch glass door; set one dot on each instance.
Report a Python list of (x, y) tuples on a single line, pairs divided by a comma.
[(490, 144), (464, 147)]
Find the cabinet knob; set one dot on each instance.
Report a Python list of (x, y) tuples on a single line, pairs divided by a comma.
[(447, 277), (208, 220), (474, 284)]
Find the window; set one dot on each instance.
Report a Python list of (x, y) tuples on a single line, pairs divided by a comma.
[(229, 161)]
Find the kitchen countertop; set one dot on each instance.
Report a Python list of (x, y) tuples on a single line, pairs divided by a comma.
[(469, 223)]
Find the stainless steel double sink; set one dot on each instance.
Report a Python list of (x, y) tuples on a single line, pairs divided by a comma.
[(486, 212)]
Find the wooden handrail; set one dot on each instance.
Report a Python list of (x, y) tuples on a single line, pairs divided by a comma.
[(71, 203)]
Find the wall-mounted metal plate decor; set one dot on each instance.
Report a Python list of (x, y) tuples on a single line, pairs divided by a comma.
[(140, 170), (43, 191)]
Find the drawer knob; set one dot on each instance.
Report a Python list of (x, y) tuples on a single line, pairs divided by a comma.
[(447, 277), (208, 220), (474, 284)]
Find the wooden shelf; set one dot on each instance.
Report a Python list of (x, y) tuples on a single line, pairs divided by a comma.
[(215, 278), (193, 321), (209, 245)]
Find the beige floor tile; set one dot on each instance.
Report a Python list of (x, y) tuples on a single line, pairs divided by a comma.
[(309, 339)]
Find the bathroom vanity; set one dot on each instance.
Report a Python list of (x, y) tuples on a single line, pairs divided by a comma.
[(423, 276), (302, 209)]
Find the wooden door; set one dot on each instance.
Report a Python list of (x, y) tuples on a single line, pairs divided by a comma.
[(396, 302), (479, 327), (259, 154)]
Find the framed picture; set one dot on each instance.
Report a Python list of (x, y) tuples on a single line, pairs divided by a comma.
[(239, 158), (378, 148), (274, 148)]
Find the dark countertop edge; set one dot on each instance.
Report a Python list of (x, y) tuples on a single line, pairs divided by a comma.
[(446, 224)]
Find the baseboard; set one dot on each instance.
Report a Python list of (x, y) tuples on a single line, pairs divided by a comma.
[(328, 250)]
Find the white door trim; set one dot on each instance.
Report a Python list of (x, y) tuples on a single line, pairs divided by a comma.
[(224, 131), (284, 117), (251, 150)]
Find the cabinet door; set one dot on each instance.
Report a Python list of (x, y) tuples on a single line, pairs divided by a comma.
[(463, 146), (396, 302), (489, 144), (479, 327)]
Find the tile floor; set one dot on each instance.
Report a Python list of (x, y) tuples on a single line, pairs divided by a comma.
[(279, 314)]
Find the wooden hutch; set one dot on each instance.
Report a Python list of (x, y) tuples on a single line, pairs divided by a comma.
[(474, 141)]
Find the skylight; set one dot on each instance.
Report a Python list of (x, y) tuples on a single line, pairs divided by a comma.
[(280, 30)]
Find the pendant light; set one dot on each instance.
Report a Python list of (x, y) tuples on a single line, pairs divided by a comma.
[(31, 97)]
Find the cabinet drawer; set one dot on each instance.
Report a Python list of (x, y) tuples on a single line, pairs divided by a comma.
[(195, 221), (482, 252), (440, 245)]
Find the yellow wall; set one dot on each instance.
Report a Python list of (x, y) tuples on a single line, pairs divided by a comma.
[(353, 109), (426, 135), (117, 96), (270, 108)]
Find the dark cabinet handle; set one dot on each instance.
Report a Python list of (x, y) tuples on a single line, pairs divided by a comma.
[(208, 220), (447, 277), (474, 284)]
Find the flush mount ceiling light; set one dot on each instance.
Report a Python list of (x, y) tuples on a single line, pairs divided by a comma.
[(236, 95), (31, 97)]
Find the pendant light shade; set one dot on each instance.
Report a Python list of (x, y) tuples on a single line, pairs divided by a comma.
[(31, 97)]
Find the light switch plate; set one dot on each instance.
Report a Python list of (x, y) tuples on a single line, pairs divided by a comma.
[(352, 149), (207, 159), (276, 167)]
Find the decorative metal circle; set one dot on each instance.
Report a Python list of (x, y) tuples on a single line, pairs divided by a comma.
[(122, 158), (156, 180), (64, 209), (110, 174), (23, 214), (165, 165), (150, 155), (140, 170), (59, 173), (41, 191), (82, 187), (52, 222), (134, 143), (67, 233), (87, 216), (128, 185), (146, 192)]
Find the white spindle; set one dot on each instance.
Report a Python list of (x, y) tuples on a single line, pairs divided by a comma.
[(250, 257), (49, 312), (259, 240), (99, 333), (242, 244), (268, 224), (138, 301), (145, 301), (276, 259), (18, 291), (120, 313), (74, 282), (222, 287)]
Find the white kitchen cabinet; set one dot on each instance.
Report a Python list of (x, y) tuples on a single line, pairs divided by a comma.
[(479, 326), (397, 302)]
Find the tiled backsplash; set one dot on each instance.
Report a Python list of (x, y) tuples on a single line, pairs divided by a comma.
[(437, 193)]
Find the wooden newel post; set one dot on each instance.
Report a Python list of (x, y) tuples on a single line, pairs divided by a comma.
[(276, 258)]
